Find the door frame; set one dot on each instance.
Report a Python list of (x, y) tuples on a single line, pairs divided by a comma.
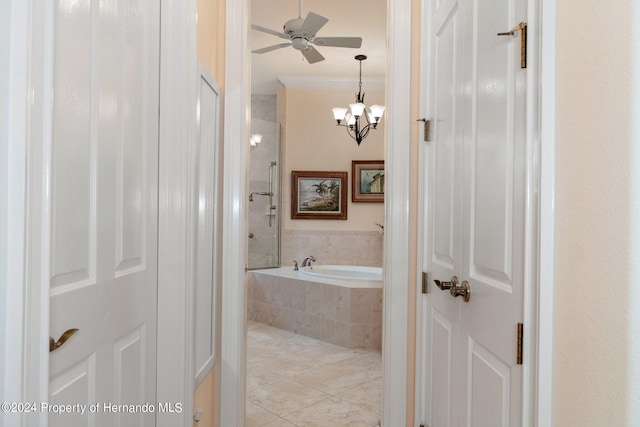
[(396, 242), (28, 180), (235, 217), (538, 347)]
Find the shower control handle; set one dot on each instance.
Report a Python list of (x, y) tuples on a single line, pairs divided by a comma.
[(271, 205)]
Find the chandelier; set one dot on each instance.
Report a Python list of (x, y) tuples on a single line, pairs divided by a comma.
[(357, 129)]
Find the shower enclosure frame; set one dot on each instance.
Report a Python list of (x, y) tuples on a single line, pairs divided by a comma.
[(274, 210)]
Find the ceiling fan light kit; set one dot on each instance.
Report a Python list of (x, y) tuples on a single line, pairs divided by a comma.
[(355, 128)]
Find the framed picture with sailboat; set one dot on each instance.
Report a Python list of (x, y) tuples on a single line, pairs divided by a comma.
[(367, 181)]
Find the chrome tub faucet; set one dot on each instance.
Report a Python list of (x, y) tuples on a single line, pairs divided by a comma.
[(307, 261)]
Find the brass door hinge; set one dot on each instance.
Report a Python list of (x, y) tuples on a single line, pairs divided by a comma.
[(519, 349), (425, 281), (427, 129), (522, 27)]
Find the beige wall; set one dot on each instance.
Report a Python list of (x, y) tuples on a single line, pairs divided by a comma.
[(211, 37), (211, 49), (313, 142), (594, 351)]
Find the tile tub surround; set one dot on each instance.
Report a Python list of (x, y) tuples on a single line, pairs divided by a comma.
[(341, 247), (348, 314)]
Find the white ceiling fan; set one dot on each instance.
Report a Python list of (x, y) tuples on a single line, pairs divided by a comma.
[(301, 34)]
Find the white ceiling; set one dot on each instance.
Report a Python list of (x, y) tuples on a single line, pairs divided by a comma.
[(348, 18)]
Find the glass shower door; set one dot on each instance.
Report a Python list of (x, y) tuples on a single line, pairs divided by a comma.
[(264, 193)]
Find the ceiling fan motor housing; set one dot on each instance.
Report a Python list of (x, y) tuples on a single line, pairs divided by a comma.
[(293, 27)]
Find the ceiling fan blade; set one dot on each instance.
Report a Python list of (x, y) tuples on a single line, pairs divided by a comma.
[(313, 22), (312, 55), (268, 31), (353, 42), (270, 48)]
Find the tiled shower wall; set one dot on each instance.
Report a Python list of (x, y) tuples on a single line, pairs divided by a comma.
[(337, 247)]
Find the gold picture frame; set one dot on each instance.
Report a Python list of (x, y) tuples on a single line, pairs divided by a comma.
[(367, 181), (319, 195)]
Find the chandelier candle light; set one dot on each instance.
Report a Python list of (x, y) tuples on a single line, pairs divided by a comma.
[(351, 119)]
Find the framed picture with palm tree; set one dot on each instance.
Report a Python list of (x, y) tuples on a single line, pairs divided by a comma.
[(318, 195)]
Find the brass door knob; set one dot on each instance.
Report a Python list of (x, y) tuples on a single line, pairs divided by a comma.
[(446, 285), (463, 290), (54, 345)]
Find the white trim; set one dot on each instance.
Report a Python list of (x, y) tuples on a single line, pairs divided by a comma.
[(396, 244), (200, 372), (16, 140), (36, 257), (328, 83), (178, 95), (532, 221), (234, 252), (396, 299), (13, 141), (544, 398), (420, 413)]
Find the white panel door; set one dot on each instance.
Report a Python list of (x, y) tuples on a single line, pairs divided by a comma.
[(475, 214), (104, 209), (443, 238), (493, 214)]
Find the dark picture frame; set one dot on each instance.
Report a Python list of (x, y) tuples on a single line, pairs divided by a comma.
[(367, 181), (319, 195)]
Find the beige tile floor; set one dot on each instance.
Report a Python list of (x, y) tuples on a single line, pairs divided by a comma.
[(294, 380)]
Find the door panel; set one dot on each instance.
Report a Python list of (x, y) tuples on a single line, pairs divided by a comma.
[(476, 212), (443, 239), (490, 140), (76, 384), (444, 155), (489, 388), (493, 210), (129, 374), (73, 229), (104, 206), (442, 339), (133, 139)]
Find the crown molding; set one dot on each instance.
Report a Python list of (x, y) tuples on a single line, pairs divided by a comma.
[(304, 82)]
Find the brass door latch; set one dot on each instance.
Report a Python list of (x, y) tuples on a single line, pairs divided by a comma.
[(54, 345), (522, 27), (427, 129)]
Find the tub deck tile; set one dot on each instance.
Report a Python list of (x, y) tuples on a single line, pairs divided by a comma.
[(349, 316)]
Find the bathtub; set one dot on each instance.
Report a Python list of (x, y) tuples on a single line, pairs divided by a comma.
[(344, 272), (338, 304)]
